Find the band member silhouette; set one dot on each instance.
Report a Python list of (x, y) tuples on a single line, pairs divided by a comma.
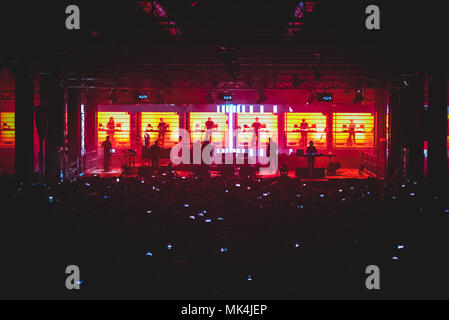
[(111, 128), (149, 128), (311, 154), (162, 128), (256, 128), (351, 139), (210, 125), (107, 154), (155, 151), (5, 126), (147, 141), (304, 128)]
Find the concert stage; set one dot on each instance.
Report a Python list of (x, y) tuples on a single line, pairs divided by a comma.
[(143, 168), (344, 137)]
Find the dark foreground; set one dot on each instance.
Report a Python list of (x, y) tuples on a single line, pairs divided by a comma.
[(166, 237)]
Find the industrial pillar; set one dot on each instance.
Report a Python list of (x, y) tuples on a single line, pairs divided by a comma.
[(91, 109), (74, 126), (395, 150), (24, 118), (413, 134), (53, 100), (438, 160), (381, 129)]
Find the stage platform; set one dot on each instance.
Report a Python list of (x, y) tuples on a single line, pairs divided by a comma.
[(350, 164), (342, 174)]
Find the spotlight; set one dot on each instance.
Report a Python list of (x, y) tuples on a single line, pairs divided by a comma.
[(325, 97), (229, 58), (262, 97), (227, 53), (167, 82), (223, 48), (232, 70), (160, 96), (226, 97), (297, 82), (317, 73), (142, 97), (112, 97), (359, 98), (249, 83), (312, 98), (210, 98)]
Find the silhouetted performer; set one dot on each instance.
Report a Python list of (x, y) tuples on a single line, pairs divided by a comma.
[(304, 128), (107, 148), (149, 128), (283, 170), (155, 152), (162, 128), (147, 141), (351, 138), (210, 125), (256, 127), (311, 155), (111, 128)]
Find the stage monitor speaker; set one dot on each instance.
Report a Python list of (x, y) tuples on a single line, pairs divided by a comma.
[(300, 153), (246, 172), (318, 173), (227, 171), (201, 171), (145, 171), (333, 167)]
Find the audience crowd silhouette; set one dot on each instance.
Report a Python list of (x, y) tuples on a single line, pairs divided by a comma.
[(170, 237)]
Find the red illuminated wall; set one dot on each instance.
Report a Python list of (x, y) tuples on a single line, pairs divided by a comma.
[(317, 126), (121, 134), (7, 122), (153, 119), (7, 130), (245, 132), (364, 132), (220, 134)]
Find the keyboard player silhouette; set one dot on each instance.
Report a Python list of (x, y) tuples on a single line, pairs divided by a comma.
[(311, 154)]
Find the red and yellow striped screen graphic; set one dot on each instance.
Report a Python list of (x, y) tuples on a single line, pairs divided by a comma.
[(7, 130), (316, 132), (117, 126), (151, 124), (245, 133), (353, 130), (220, 134)]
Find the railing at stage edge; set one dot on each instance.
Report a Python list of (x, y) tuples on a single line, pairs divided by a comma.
[(370, 162), (77, 167)]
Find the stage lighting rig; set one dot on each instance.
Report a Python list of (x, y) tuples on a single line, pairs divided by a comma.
[(325, 97), (297, 82), (210, 98), (317, 73), (229, 57), (359, 98), (225, 97), (312, 98), (262, 97), (112, 97), (142, 97)]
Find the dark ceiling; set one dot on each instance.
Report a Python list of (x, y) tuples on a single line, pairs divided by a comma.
[(121, 42)]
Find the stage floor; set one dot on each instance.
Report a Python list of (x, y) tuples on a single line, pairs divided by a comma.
[(349, 160), (342, 174)]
